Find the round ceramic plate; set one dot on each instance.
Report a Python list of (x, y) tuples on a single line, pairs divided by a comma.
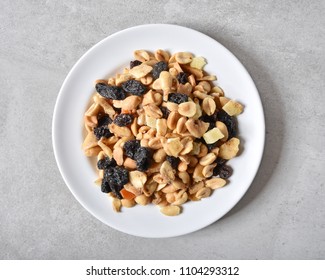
[(107, 58)]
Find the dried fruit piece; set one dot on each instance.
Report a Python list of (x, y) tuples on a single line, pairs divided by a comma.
[(123, 119), (177, 98), (158, 68), (182, 78), (130, 147), (134, 87), (174, 161), (110, 92), (102, 131), (198, 62), (213, 135), (134, 63), (233, 108), (106, 163), (143, 157), (229, 121)]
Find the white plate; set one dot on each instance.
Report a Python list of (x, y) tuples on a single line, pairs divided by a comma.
[(107, 58)]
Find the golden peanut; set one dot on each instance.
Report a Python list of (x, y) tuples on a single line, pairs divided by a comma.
[(128, 203), (183, 57), (224, 130), (203, 193), (171, 210), (207, 171), (209, 106), (141, 55), (186, 88), (172, 120), (159, 156), (155, 143), (142, 200), (187, 143), (196, 187), (153, 111), (130, 163), (208, 159), (120, 131), (197, 174), (215, 183), (229, 149), (140, 71), (187, 109), (185, 177), (180, 198), (196, 127), (162, 55)]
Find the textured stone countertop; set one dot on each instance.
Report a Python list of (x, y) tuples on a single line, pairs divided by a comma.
[(281, 43)]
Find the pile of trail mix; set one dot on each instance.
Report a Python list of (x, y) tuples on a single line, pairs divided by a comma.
[(162, 132)]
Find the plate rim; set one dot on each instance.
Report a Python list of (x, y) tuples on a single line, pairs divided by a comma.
[(61, 92)]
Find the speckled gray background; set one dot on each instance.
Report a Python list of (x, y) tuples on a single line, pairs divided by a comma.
[(282, 45)]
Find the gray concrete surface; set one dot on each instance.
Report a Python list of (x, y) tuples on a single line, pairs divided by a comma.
[(282, 45)]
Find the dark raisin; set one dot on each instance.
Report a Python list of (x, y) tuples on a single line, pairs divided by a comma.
[(123, 119), (116, 177), (106, 163), (182, 78), (134, 87), (103, 119), (130, 147), (210, 119), (220, 163), (110, 92), (177, 98), (211, 146), (164, 111), (225, 172), (105, 187), (174, 161), (102, 131), (143, 158), (230, 123), (158, 68), (134, 63)]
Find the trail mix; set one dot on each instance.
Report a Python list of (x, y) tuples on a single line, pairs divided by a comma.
[(162, 132)]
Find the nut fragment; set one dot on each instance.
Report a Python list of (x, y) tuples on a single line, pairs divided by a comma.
[(172, 120), (167, 172), (187, 109), (173, 146), (118, 155), (229, 149), (196, 187), (130, 163), (233, 108), (215, 183), (180, 198), (116, 203), (137, 179), (171, 210), (162, 55), (207, 171)]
